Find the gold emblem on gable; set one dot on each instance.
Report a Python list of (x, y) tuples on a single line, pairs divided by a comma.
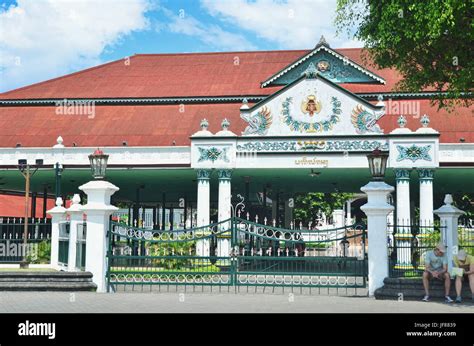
[(323, 65), (311, 105)]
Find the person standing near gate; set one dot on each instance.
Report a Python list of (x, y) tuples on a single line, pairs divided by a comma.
[(463, 270), (436, 266)]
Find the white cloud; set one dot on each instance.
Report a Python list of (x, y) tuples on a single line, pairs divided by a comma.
[(211, 35), (291, 24), (48, 38)]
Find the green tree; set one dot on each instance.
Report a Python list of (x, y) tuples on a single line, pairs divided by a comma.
[(308, 205), (428, 42), (465, 202)]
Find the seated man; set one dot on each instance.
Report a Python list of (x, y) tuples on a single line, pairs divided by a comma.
[(436, 266), (466, 264)]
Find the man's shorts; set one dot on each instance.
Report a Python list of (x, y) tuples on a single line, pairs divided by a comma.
[(439, 277)]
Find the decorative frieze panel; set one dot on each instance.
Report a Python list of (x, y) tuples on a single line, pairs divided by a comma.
[(312, 145), (212, 154), (414, 152)]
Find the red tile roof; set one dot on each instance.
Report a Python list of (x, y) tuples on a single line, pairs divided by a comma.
[(175, 75), (170, 75), (14, 206), (160, 125)]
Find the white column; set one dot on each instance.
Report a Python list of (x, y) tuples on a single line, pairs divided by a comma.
[(203, 209), (426, 196), (377, 210), (348, 212), (338, 222), (58, 214), (338, 218), (403, 196), (203, 196), (289, 205), (403, 234), (75, 217), (98, 210), (449, 216), (223, 242)]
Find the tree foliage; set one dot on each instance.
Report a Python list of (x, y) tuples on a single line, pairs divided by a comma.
[(428, 42), (465, 202), (307, 206)]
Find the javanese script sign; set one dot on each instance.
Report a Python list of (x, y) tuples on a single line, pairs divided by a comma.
[(313, 161)]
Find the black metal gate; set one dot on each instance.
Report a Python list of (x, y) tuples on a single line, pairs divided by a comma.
[(237, 252), (272, 256)]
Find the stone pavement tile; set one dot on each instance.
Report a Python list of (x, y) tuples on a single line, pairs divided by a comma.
[(83, 302)]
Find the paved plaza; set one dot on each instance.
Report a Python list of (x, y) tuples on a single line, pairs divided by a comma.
[(180, 302)]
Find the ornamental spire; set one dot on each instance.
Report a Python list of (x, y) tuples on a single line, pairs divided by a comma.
[(225, 124), (322, 42), (402, 121), (425, 120), (204, 124), (245, 104)]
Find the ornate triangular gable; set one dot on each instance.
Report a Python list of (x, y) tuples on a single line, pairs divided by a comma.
[(312, 105), (329, 63)]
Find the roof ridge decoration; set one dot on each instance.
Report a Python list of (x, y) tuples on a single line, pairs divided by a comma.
[(322, 42), (328, 62)]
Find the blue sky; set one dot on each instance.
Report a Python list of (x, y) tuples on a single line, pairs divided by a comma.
[(43, 39)]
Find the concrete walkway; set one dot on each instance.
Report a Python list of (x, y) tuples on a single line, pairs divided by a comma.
[(87, 302)]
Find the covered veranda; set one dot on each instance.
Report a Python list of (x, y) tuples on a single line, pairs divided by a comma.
[(175, 189)]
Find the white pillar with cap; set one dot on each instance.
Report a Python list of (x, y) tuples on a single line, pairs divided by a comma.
[(58, 214), (377, 210), (75, 218), (203, 210), (426, 196), (223, 241), (449, 216), (98, 210)]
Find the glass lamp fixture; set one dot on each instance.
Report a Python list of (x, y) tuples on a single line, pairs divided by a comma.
[(377, 164), (98, 161)]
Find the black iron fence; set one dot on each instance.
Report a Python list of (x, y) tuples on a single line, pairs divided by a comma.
[(408, 244), (466, 235), (13, 247), (237, 252)]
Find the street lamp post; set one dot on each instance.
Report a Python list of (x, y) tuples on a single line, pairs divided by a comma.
[(58, 170), (25, 170), (377, 210)]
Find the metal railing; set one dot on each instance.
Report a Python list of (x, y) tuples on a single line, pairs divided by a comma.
[(237, 252), (466, 235), (408, 244), (14, 249)]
